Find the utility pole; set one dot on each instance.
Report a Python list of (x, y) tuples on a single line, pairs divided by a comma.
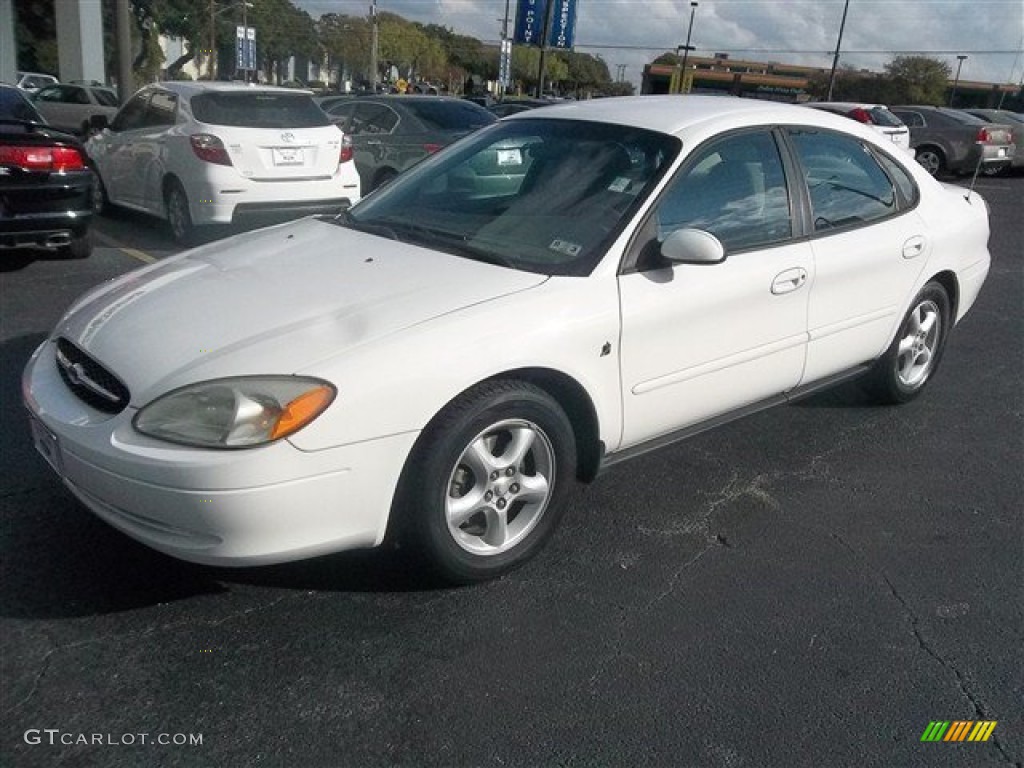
[(373, 45), (548, 17), (835, 58), (124, 51)]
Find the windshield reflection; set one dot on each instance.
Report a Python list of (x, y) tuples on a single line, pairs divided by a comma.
[(543, 195)]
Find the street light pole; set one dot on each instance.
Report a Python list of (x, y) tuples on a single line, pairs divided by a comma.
[(686, 48), (835, 58), (956, 81)]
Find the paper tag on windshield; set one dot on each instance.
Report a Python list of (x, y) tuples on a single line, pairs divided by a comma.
[(564, 246)]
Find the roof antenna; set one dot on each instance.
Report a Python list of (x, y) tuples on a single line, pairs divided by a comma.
[(974, 178)]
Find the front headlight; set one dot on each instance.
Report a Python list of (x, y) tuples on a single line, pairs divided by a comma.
[(239, 412)]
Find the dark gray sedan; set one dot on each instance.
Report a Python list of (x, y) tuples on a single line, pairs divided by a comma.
[(392, 133), (952, 141)]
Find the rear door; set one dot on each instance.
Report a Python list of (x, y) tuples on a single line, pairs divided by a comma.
[(271, 136), (869, 248)]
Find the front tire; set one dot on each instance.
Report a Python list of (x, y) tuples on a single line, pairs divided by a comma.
[(907, 366), (486, 484)]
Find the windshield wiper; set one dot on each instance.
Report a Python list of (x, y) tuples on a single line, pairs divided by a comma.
[(347, 220), (451, 242)]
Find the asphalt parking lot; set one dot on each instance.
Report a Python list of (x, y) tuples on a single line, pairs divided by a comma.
[(811, 586)]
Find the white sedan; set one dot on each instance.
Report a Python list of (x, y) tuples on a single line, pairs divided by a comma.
[(555, 293)]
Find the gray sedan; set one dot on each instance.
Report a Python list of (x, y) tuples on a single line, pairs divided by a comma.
[(392, 133), (952, 141)]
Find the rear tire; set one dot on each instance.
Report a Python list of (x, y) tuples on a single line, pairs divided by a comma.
[(100, 200), (384, 178), (80, 247), (908, 365), (486, 484), (932, 160), (179, 216)]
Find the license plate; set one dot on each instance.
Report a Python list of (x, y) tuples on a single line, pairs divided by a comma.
[(288, 156), (46, 443), (1001, 152)]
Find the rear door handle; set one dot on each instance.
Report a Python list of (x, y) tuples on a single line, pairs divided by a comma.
[(789, 281), (914, 247)]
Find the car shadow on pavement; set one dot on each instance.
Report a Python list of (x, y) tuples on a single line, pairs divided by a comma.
[(57, 560)]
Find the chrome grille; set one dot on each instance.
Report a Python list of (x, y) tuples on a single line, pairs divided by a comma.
[(90, 381)]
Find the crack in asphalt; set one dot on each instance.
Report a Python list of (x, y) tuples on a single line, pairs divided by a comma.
[(44, 663), (915, 628)]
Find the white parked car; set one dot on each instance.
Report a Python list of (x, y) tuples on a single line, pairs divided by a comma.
[(877, 116), (71, 107), (552, 294), (33, 81), (219, 153)]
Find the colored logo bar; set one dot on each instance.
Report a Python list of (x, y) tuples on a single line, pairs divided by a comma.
[(959, 730)]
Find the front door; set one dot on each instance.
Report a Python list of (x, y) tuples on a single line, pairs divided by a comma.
[(702, 339)]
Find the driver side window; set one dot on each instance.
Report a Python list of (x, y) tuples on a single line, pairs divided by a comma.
[(735, 189)]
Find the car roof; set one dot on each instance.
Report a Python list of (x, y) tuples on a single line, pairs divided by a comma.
[(845, 104), (188, 88), (673, 114)]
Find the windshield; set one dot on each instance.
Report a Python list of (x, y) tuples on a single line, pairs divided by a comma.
[(545, 196), (258, 109)]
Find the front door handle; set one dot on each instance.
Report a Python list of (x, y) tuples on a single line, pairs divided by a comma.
[(913, 247), (789, 281)]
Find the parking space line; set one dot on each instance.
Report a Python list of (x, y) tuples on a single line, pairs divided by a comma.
[(110, 242)]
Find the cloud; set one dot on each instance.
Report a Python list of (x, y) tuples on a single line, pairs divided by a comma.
[(634, 32)]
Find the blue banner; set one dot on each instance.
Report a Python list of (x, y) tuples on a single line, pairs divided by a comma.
[(563, 25), (530, 22)]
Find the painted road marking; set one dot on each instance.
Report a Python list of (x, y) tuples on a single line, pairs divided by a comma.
[(110, 242)]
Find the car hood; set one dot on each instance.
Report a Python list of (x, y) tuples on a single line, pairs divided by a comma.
[(274, 301)]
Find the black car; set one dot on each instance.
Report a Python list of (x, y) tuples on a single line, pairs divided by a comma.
[(392, 133), (45, 183)]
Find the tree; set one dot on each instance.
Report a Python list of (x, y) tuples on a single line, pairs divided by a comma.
[(917, 80)]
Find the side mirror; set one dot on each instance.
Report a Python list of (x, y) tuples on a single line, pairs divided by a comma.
[(98, 123), (693, 246)]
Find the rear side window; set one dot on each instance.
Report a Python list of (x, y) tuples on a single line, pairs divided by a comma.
[(105, 98), (449, 115), (256, 109), (846, 185), (14, 106)]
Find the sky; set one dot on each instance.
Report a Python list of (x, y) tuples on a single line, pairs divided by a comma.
[(634, 32)]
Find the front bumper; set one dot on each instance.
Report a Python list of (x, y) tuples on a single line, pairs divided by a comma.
[(229, 508)]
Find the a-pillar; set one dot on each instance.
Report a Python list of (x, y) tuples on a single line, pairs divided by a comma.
[(80, 39)]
